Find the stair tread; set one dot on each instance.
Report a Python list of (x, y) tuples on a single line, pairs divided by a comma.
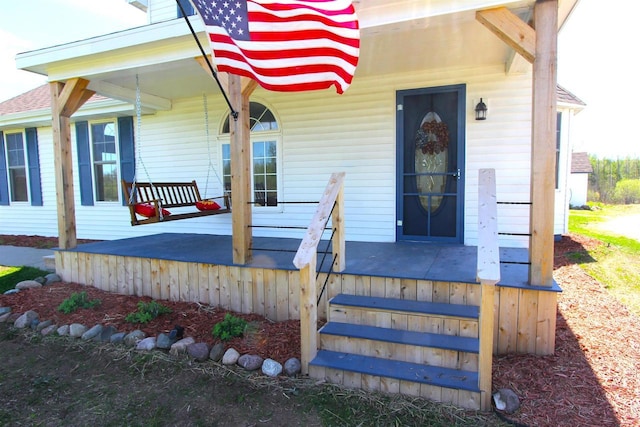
[(410, 306), (423, 339), (414, 372)]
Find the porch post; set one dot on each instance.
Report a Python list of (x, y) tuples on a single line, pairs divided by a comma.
[(240, 170), (66, 99), (543, 144)]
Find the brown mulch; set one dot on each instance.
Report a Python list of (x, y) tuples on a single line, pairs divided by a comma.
[(591, 380)]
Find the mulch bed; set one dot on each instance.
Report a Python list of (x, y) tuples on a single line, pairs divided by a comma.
[(591, 380)]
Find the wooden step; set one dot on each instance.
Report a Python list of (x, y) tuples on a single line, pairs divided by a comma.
[(408, 346), (407, 306), (414, 338), (454, 386)]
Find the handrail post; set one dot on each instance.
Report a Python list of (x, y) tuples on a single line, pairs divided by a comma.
[(308, 315), (488, 274), (338, 241), (306, 260)]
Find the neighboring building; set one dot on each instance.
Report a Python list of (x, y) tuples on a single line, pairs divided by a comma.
[(579, 179)]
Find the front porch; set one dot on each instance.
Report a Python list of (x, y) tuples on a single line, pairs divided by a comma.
[(199, 268)]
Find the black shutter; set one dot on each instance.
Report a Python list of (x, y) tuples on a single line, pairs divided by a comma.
[(4, 179), (84, 164), (188, 8), (127, 151), (33, 159)]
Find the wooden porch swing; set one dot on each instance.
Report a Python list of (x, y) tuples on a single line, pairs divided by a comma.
[(149, 202)]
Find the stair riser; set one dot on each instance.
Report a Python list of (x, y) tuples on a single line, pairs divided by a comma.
[(408, 322), (462, 398), (406, 353)]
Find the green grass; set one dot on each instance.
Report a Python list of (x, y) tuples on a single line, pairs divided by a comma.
[(617, 264), (10, 276)]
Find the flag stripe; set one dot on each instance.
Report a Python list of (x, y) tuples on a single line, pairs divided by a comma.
[(284, 45)]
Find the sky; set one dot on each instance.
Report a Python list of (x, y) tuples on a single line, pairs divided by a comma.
[(596, 58)]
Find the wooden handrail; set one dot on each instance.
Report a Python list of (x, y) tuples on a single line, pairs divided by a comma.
[(330, 206), (488, 274)]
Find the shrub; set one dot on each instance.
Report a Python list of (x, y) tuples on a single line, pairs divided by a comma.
[(627, 191), (76, 301), (229, 328), (147, 311)]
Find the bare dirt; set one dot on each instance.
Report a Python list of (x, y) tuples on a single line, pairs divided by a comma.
[(591, 380)]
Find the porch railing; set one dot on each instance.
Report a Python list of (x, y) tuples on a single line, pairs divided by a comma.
[(331, 206), (488, 274)]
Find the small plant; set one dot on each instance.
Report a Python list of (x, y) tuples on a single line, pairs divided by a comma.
[(229, 328), (75, 301), (147, 311)]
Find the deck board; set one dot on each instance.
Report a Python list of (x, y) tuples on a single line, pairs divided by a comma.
[(398, 260)]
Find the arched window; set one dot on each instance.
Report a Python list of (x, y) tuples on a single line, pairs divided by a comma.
[(265, 149)]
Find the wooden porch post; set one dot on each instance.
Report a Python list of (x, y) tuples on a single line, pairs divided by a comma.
[(539, 47), (241, 168), (543, 145), (66, 98)]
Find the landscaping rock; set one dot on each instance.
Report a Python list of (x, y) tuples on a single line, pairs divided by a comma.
[(4, 310), (164, 342), (48, 330), (506, 400), (292, 367), (146, 344), (43, 325), (25, 319), (250, 362), (198, 351), (40, 280), (76, 330), (217, 351), (181, 346), (27, 284), (105, 335), (117, 338), (230, 357), (12, 291), (132, 338), (52, 278), (5, 317), (92, 333), (63, 330), (271, 368)]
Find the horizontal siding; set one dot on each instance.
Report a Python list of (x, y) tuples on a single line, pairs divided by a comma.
[(322, 133), (162, 10)]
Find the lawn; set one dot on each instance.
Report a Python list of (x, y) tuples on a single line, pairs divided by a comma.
[(10, 276), (615, 263)]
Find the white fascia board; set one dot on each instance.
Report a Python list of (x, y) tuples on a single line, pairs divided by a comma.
[(37, 61), (42, 117), (397, 12)]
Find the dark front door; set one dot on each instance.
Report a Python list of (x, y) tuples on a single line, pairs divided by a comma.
[(430, 162)]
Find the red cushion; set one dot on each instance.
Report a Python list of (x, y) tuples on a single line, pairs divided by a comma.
[(207, 205), (148, 210)]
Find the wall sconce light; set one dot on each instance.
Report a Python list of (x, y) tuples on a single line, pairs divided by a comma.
[(481, 110)]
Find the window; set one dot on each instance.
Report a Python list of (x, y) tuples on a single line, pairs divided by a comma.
[(264, 154), (17, 167), (105, 161)]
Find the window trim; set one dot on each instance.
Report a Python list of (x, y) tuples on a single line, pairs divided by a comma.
[(116, 161), (25, 166)]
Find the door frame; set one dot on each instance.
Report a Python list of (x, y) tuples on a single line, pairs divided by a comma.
[(461, 90)]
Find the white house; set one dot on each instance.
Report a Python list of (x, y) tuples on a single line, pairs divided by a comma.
[(139, 104)]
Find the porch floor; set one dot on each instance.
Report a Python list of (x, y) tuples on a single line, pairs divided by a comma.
[(405, 260)]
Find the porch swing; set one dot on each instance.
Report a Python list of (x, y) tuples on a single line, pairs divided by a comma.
[(149, 202)]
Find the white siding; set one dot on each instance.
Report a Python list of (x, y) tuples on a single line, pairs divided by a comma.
[(162, 10), (322, 132)]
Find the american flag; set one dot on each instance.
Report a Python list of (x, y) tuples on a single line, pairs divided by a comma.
[(284, 45)]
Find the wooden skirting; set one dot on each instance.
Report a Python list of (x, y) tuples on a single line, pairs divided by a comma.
[(525, 320)]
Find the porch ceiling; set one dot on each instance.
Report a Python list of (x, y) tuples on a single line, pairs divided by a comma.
[(396, 36)]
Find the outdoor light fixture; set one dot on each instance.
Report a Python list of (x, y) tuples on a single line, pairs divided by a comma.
[(481, 110)]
